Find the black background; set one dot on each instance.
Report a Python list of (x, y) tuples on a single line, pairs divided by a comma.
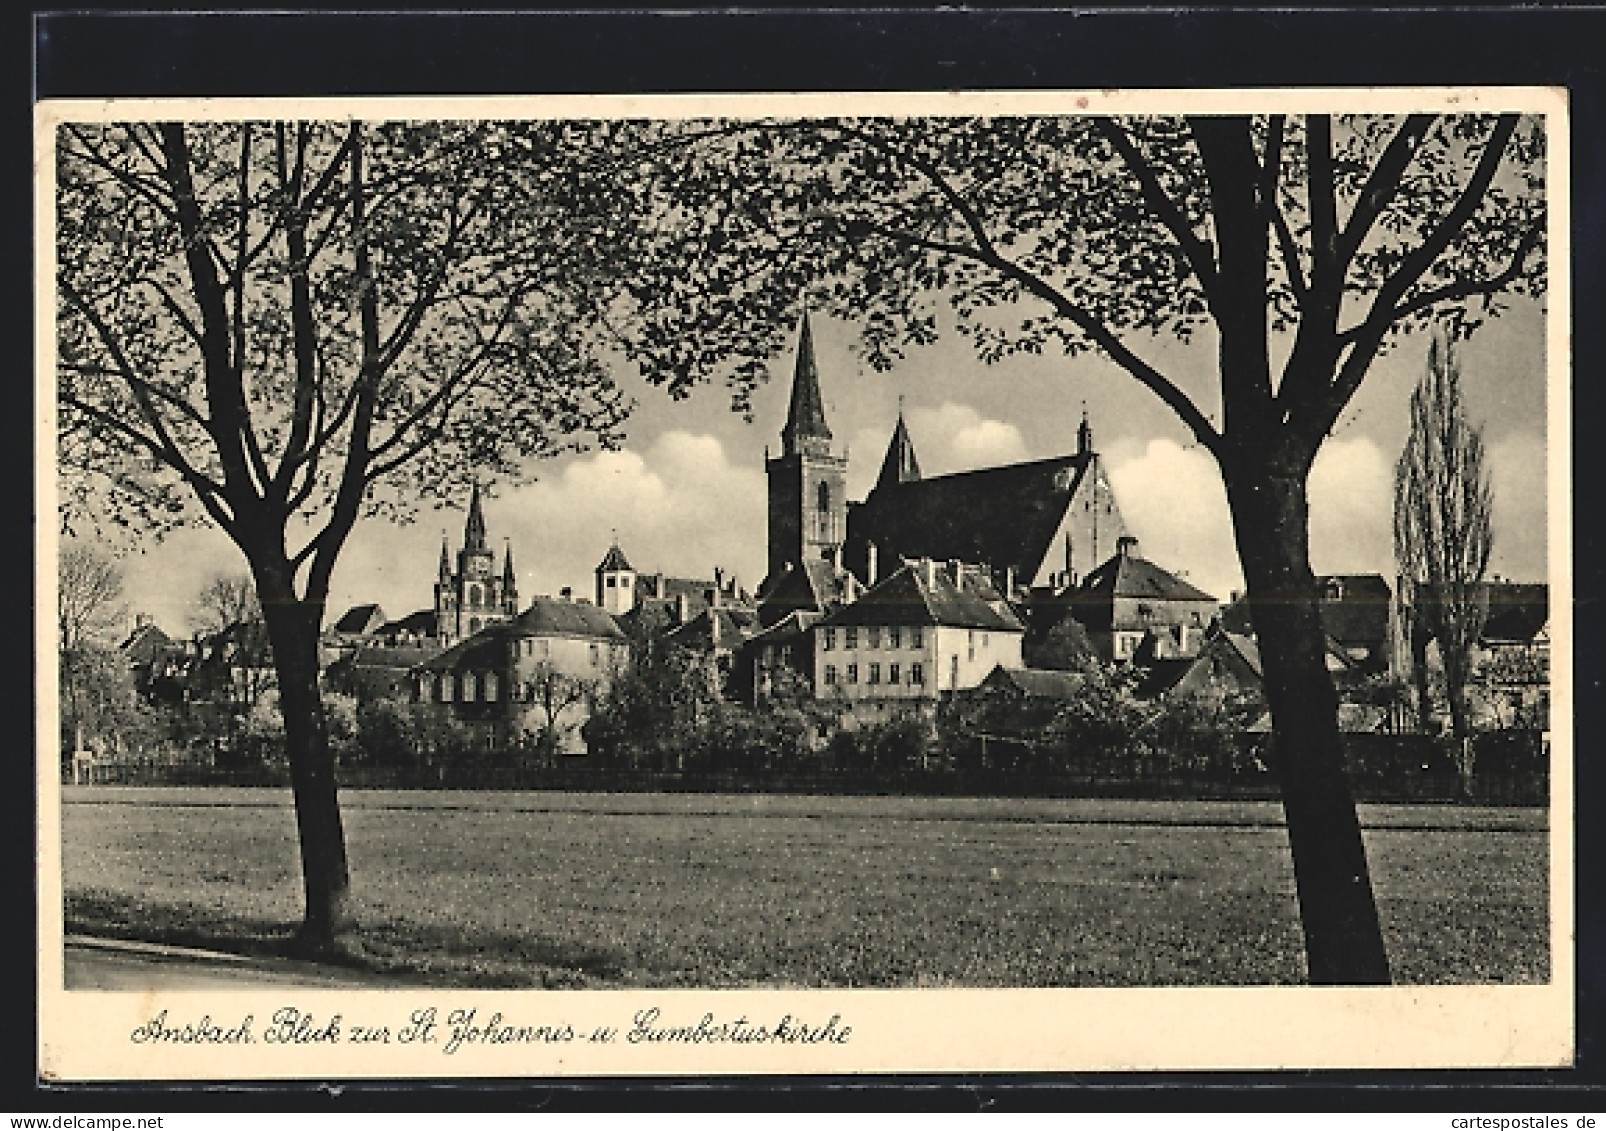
[(87, 54)]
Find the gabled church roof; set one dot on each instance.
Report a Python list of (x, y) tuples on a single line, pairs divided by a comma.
[(1003, 516)]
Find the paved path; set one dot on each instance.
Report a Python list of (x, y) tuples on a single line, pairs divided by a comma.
[(115, 964)]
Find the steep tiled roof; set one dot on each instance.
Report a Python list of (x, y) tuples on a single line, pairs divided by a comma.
[(1037, 684), (907, 597), (360, 619), (817, 587), (736, 624), (145, 643), (549, 617), (1516, 612), (1002, 516), (546, 616), (1125, 575)]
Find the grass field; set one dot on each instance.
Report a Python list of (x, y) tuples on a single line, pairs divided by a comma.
[(533, 889)]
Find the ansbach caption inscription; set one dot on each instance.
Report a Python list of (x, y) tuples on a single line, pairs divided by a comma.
[(463, 1027)]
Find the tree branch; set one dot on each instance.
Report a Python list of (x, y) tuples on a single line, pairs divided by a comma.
[(1199, 254)]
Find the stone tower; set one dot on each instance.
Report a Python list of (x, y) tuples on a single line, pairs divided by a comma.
[(473, 595), (807, 482)]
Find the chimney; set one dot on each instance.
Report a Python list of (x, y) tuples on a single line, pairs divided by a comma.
[(836, 557), (956, 570), (931, 573), (719, 578), (1009, 583), (1126, 546), (713, 625), (680, 608), (566, 593), (870, 567), (142, 620), (712, 595)]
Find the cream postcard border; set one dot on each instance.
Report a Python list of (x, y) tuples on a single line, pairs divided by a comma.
[(85, 1035)]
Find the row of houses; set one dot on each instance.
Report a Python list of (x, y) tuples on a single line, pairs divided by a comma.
[(928, 587)]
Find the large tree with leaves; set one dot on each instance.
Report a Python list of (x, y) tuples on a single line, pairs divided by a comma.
[(280, 328), (1296, 249)]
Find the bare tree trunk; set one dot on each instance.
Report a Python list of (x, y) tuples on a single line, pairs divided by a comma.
[(293, 630), (1343, 935)]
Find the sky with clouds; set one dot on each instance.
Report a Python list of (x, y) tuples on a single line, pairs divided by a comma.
[(687, 492)]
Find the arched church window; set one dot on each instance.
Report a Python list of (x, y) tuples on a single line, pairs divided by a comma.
[(473, 594), (825, 496)]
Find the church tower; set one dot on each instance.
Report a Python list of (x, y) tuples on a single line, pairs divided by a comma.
[(807, 483), (900, 466), (474, 595)]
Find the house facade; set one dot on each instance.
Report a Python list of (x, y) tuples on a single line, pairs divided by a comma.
[(533, 678), (928, 629)]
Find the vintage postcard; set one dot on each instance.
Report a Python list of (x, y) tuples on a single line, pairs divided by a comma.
[(1018, 582)]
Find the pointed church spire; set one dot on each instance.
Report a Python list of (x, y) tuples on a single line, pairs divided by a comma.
[(900, 466), (508, 581), (474, 529), (1084, 435), (806, 431), (446, 562)]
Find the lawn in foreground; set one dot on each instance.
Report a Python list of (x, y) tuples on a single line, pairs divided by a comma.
[(500, 889)]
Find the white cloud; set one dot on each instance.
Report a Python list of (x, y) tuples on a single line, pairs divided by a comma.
[(1517, 463), (1351, 508), (1173, 501), (955, 437)]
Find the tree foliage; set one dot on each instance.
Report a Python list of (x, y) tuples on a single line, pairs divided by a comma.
[(1443, 535), (89, 597)]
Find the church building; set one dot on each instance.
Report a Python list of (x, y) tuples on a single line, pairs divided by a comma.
[(1036, 528), (472, 596)]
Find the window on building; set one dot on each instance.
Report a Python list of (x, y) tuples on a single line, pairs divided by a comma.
[(613, 583), (596, 657), (624, 583), (853, 673), (491, 687), (471, 688), (872, 637), (917, 674), (828, 638), (970, 644), (473, 625), (892, 673), (893, 633), (917, 637), (850, 638), (874, 674), (473, 594), (953, 671), (823, 498), (446, 688), (830, 675)]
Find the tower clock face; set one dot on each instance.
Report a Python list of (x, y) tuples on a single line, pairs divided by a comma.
[(479, 567)]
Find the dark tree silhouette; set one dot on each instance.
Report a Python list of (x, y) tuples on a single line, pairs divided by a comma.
[(282, 327)]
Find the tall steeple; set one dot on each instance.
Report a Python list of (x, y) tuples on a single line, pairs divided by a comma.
[(474, 529), (508, 580), (445, 572), (1084, 435), (806, 431), (900, 466)]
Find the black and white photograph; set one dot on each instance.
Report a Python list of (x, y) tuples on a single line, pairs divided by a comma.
[(829, 570)]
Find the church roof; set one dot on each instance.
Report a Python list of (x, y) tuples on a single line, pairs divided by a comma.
[(614, 561), (805, 418), (1003, 516), (421, 623), (900, 464), (914, 596)]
